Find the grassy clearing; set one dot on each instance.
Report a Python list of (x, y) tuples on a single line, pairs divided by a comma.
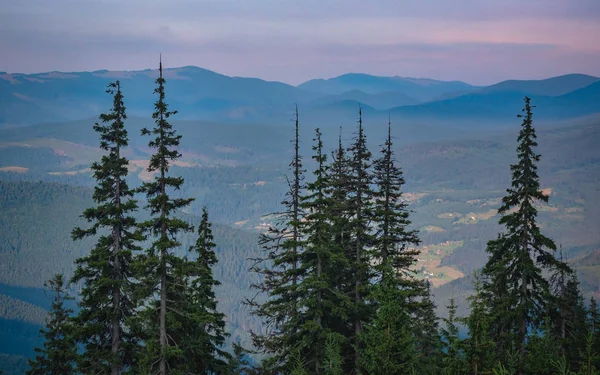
[(449, 215), (429, 260), (78, 154), (70, 173), (432, 228), (475, 217)]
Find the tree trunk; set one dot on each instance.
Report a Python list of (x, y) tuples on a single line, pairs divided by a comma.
[(163, 320), (319, 323), (523, 327), (163, 274), (295, 204), (116, 297)]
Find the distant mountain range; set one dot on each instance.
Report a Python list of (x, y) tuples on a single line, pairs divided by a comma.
[(421, 89), (202, 94)]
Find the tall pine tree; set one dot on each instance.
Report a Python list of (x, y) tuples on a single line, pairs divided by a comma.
[(393, 238), (341, 278), (514, 281), (280, 271), (321, 299), (360, 213), (59, 353), (159, 267), (106, 298), (388, 339)]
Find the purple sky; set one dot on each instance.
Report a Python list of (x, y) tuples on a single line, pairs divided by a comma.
[(477, 41)]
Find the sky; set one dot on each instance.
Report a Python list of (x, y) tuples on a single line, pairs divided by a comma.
[(476, 41)]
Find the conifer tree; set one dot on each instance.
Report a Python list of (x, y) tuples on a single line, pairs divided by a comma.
[(453, 363), (542, 347), (203, 328), (389, 346), (280, 271), (341, 279), (158, 268), (388, 339), (333, 361), (568, 315), (238, 363), (59, 351), (514, 279), (360, 213), (560, 309), (589, 356), (478, 346), (314, 286), (593, 347), (425, 325), (391, 214), (321, 300), (106, 302), (338, 191)]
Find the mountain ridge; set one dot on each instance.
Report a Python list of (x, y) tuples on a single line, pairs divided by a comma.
[(202, 94)]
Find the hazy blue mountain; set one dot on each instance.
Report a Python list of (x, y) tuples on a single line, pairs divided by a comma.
[(554, 86), (195, 92), (200, 94), (586, 97), (380, 101), (422, 89), (501, 106)]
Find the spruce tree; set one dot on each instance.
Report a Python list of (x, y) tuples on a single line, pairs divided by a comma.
[(321, 300), (514, 279), (543, 346), (391, 215), (314, 286), (425, 326), (280, 272), (478, 346), (388, 339), (59, 351), (589, 356), (341, 278), (106, 298), (238, 363), (159, 268), (333, 361), (453, 362), (360, 213), (389, 347), (568, 315), (203, 330), (593, 334)]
